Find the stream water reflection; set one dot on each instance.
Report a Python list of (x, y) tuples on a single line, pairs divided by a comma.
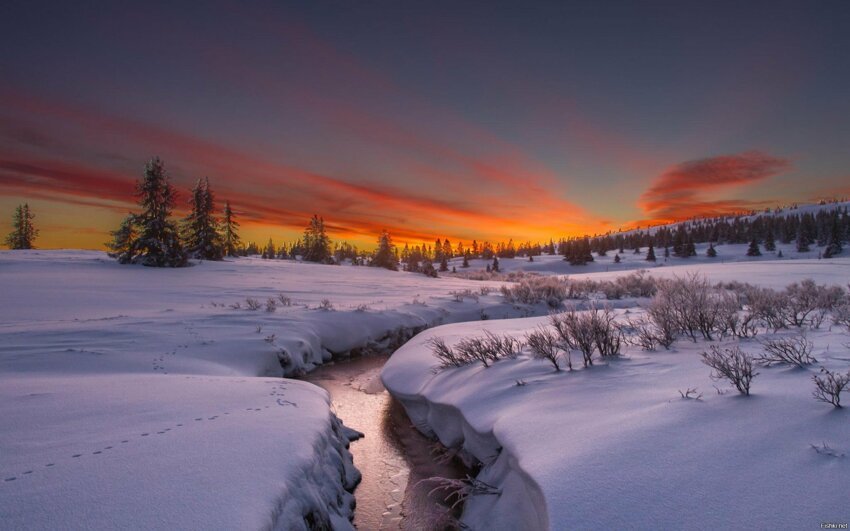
[(392, 456)]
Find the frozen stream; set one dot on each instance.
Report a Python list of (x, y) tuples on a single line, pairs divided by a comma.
[(392, 456)]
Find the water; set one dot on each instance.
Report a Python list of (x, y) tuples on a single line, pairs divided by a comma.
[(392, 456)]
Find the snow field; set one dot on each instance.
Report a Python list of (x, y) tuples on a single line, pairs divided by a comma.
[(616, 445)]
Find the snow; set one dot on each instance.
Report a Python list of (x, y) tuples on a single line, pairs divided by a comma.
[(137, 397), (616, 446)]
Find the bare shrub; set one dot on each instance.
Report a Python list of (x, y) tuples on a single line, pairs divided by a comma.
[(733, 364), (236, 306), (767, 306), (477, 349), (533, 290), (829, 386), (807, 303), (544, 346), (638, 284), (576, 332), (325, 305), (825, 449), (505, 346), (445, 354), (360, 308), (796, 350), (663, 318), (695, 307), (484, 290), (271, 305), (459, 295), (270, 339), (252, 304), (841, 314), (642, 333), (284, 300), (606, 333)]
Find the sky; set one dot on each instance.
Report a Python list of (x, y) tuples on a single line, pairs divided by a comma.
[(467, 120)]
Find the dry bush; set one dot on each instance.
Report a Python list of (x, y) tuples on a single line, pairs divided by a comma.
[(642, 333), (462, 489), (445, 354), (576, 332), (325, 305), (459, 295), (664, 321), (638, 284), (841, 314), (533, 290), (828, 387), (732, 364), (506, 346), (284, 300), (795, 350), (271, 305), (544, 346), (252, 304)]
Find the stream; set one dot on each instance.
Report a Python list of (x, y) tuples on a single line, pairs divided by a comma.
[(393, 456)]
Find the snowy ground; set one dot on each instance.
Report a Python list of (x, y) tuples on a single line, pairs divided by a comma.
[(616, 446), (137, 397), (791, 260)]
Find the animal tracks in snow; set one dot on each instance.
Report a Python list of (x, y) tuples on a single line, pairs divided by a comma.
[(277, 393)]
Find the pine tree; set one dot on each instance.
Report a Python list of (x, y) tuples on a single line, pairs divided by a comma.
[(753, 249), (711, 252), (428, 268), (465, 259), (122, 240), (317, 245), (690, 248), (833, 246), (23, 231), (269, 250), (158, 241), (617, 258), (650, 254), (802, 240), (769, 240), (230, 231), (444, 264), (200, 228), (495, 267), (385, 254)]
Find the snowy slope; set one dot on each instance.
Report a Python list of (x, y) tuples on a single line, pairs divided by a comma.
[(137, 397), (615, 445)]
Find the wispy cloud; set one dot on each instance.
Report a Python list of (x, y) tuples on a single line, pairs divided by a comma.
[(681, 191)]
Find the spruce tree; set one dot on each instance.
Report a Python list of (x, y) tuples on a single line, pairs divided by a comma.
[(690, 248), (121, 245), (385, 253), (833, 246), (650, 254), (444, 264), (200, 228), (317, 245), (269, 250), (230, 231), (23, 231), (495, 267), (802, 240), (769, 241), (711, 252), (158, 242), (617, 258), (753, 249), (465, 259)]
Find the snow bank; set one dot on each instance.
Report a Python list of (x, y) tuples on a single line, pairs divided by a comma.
[(139, 397), (616, 446)]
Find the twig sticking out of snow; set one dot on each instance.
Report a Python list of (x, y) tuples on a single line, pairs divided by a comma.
[(462, 489), (825, 449), (690, 394)]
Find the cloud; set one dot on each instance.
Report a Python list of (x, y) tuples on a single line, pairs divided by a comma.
[(679, 192)]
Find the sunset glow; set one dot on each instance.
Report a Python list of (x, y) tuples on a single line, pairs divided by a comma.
[(519, 125)]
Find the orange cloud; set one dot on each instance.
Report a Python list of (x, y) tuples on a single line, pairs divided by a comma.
[(678, 193)]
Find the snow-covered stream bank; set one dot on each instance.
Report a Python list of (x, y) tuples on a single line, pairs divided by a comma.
[(625, 444), (153, 398), (393, 457)]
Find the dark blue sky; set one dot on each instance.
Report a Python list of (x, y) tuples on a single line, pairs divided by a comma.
[(462, 119)]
